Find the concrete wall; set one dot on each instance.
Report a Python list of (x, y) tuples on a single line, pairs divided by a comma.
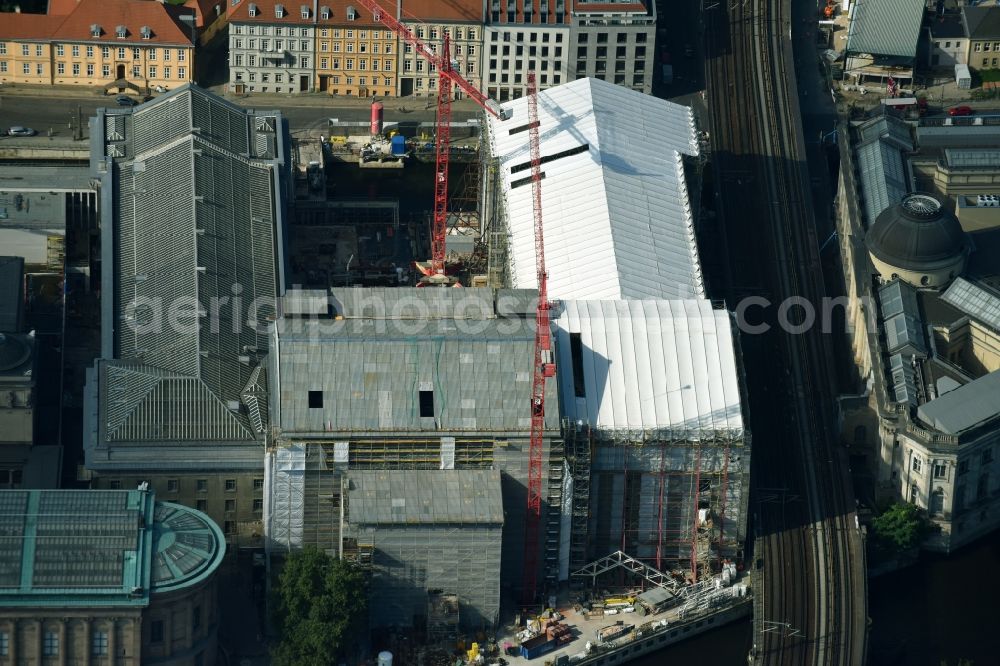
[(624, 55)]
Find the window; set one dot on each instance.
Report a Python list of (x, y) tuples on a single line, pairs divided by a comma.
[(387, 67), (99, 643), (121, 32), (166, 54), (24, 50), (3, 66), (201, 485), (152, 71), (90, 51), (106, 51), (336, 47), (76, 69), (75, 51), (136, 53), (61, 69), (4, 644), (258, 505), (303, 45), (202, 505), (50, 646), (427, 403), (3, 49), (316, 397), (978, 47), (90, 69), (230, 505), (40, 69), (940, 471), (172, 485), (156, 631), (350, 47), (303, 61), (239, 60), (230, 485), (917, 464), (258, 484), (60, 50), (181, 73), (166, 72), (987, 456), (914, 492), (121, 52), (363, 63)]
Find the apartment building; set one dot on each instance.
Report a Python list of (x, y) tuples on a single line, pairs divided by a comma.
[(462, 23), (120, 45), (614, 42), (271, 47), (521, 37), (982, 26), (356, 56)]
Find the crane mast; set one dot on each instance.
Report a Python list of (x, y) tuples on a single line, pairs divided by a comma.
[(543, 366), (447, 76)]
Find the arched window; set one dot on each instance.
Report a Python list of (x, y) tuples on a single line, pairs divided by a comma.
[(860, 435), (924, 280)]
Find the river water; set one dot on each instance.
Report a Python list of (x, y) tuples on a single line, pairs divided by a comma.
[(935, 613)]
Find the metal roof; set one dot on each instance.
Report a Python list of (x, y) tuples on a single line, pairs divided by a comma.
[(886, 27), (68, 548), (938, 136), (964, 408), (974, 300), (882, 175), (11, 294), (654, 366), (371, 372), (421, 497), (901, 318), (972, 157), (904, 382), (404, 303), (898, 297), (219, 166), (617, 218)]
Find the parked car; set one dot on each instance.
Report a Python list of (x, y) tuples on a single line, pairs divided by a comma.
[(124, 100), (17, 130), (960, 111)]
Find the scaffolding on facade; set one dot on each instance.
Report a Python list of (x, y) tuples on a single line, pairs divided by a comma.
[(443, 617), (579, 441)]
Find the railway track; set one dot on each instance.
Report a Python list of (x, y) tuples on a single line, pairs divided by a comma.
[(812, 577)]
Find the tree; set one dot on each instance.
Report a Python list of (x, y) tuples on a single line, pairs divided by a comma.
[(900, 527), (320, 607)]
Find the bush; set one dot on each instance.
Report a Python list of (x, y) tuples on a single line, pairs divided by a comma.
[(901, 527)]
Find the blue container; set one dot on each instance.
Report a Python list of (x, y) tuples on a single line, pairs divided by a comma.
[(398, 145), (537, 646)]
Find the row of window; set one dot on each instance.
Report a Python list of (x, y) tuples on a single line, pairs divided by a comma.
[(533, 51), (201, 485), (279, 44), (985, 46), (251, 61), (336, 33), (941, 469), (512, 17), (76, 69), (519, 37), (620, 38), (620, 52), (50, 643), (75, 50)]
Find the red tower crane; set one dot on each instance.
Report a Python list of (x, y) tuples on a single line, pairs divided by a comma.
[(544, 367), (434, 273)]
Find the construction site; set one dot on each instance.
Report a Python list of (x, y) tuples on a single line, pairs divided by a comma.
[(481, 450)]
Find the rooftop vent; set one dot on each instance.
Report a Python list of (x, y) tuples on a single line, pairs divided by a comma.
[(146, 32), (279, 11), (95, 30), (121, 31)]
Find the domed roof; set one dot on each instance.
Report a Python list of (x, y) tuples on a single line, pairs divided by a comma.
[(13, 352), (917, 234)]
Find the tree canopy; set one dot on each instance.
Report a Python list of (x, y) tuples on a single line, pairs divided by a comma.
[(900, 527), (320, 606)]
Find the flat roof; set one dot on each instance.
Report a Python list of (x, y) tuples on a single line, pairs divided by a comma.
[(965, 407), (412, 497)]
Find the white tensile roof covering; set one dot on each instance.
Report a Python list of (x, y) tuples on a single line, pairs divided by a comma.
[(666, 366), (617, 220)]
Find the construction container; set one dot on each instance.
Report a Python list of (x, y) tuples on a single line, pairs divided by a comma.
[(398, 145), (376, 121), (537, 646)]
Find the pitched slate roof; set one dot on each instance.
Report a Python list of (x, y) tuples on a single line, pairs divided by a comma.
[(69, 21), (982, 22), (886, 27)]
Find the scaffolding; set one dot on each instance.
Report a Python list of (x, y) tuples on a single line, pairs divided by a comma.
[(579, 441), (443, 617)]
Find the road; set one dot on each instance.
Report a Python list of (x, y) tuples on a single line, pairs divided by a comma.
[(308, 114), (810, 605)]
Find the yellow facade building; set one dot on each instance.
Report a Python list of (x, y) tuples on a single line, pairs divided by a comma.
[(118, 45), (355, 55)]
